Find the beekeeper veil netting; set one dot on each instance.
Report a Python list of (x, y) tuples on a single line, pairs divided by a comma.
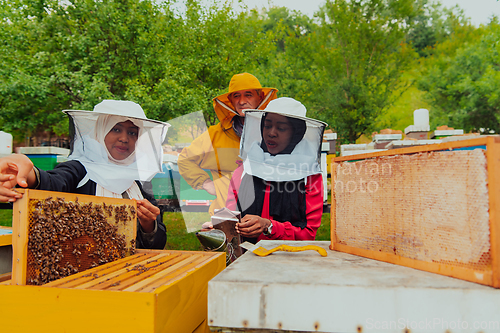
[(280, 143), (90, 130)]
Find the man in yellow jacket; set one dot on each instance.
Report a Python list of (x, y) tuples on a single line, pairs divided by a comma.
[(217, 149)]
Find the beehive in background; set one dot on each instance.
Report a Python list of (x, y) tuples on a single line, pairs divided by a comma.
[(58, 234), (434, 208)]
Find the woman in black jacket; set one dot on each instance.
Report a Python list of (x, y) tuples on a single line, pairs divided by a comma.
[(115, 148)]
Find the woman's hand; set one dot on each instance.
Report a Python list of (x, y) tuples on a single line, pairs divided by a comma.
[(147, 213), (252, 225), (207, 226), (15, 169)]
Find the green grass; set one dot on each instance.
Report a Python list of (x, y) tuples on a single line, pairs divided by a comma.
[(181, 235), (323, 233), (181, 228), (6, 217), (179, 238)]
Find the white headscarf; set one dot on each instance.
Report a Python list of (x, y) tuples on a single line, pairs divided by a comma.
[(106, 123), (113, 177), (302, 162)]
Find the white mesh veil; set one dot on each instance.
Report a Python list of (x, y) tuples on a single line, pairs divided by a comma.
[(87, 149), (261, 162)]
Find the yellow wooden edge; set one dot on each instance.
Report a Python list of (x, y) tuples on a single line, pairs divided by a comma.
[(493, 162), (329, 160), (95, 283), (6, 239), (19, 239), (40, 309), (333, 206), (101, 277), (203, 253), (81, 277), (217, 258), (192, 309), (418, 149), (166, 276), (82, 198), (481, 277)]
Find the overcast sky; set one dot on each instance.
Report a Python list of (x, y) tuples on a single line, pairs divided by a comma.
[(479, 11)]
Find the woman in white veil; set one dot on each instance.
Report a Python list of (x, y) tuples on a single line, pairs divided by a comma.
[(278, 188), (114, 149)]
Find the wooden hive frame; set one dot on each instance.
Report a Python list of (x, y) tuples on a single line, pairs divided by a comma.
[(151, 291), (119, 217), (491, 276)]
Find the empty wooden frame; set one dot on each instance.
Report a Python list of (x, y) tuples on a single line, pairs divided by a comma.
[(434, 208)]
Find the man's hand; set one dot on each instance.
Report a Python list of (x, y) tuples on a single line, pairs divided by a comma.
[(252, 225), (147, 213), (208, 186)]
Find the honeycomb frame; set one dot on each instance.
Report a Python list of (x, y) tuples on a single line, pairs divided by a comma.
[(58, 234), (361, 224)]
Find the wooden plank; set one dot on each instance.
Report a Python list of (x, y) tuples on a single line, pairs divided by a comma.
[(333, 206), (201, 253), (165, 275), (82, 198), (20, 238), (81, 277), (419, 149), (179, 275), (131, 277), (493, 159), (482, 277), (105, 277)]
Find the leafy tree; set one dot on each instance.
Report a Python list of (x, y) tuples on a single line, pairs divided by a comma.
[(433, 24), (463, 82), (289, 67), (360, 54), (208, 47), (72, 55), (347, 66)]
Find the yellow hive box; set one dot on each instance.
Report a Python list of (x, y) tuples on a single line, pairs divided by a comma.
[(58, 234), (5, 236), (150, 291), (434, 208), (5, 250)]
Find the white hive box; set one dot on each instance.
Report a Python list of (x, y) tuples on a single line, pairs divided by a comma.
[(303, 291)]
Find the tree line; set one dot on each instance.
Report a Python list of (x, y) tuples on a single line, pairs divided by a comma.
[(348, 64)]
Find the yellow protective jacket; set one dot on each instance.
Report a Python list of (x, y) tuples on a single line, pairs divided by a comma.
[(217, 149)]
